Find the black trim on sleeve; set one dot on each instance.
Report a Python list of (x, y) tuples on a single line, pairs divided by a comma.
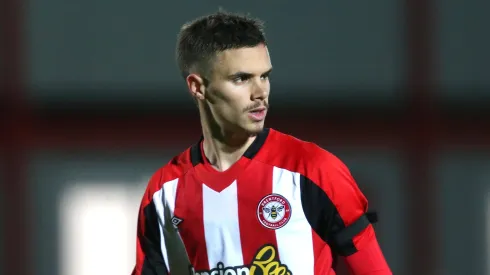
[(151, 244), (372, 216), (326, 221), (347, 234)]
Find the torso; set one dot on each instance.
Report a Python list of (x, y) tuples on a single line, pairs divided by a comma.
[(254, 218)]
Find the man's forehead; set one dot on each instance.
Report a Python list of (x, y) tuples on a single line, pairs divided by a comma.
[(250, 60)]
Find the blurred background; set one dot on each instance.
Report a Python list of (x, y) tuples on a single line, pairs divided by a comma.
[(92, 104)]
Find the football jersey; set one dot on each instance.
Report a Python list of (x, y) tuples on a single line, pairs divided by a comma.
[(286, 206)]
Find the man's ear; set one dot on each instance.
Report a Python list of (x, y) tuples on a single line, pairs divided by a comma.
[(196, 86)]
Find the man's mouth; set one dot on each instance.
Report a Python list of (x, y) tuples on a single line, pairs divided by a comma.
[(258, 114)]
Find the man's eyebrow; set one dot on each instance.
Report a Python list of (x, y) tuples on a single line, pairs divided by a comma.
[(267, 72), (245, 74), (240, 74)]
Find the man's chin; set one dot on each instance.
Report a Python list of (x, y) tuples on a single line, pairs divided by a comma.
[(255, 128)]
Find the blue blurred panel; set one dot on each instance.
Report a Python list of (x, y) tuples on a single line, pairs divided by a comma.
[(464, 189), (53, 173), (462, 47), (99, 46), (379, 174)]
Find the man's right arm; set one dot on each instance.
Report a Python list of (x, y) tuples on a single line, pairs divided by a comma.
[(149, 258)]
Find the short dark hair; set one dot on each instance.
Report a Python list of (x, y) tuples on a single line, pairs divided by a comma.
[(200, 40)]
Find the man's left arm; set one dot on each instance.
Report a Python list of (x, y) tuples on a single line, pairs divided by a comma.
[(351, 234), (369, 260)]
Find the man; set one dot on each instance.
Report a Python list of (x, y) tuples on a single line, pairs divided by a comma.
[(246, 199)]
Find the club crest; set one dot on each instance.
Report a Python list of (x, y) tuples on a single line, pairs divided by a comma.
[(274, 211)]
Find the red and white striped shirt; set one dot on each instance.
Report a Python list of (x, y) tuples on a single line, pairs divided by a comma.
[(286, 207)]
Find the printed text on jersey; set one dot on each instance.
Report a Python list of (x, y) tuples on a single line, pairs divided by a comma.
[(265, 263)]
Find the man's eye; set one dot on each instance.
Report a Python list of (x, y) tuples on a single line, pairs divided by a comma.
[(239, 79)]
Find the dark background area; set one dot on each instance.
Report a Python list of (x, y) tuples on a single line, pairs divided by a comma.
[(92, 104)]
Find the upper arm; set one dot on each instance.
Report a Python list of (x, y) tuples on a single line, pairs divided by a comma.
[(149, 258), (350, 228), (368, 261), (334, 205), (341, 218)]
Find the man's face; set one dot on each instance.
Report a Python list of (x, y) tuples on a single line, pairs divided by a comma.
[(238, 90)]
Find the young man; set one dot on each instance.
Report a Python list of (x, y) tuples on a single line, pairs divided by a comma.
[(246, 199)]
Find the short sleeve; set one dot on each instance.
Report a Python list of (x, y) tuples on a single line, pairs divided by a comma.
[(149, 257), (335, 206)]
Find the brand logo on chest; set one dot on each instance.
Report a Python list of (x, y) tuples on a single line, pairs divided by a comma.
[(176, 221)]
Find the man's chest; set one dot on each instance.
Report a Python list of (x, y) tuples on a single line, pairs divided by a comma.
[(262, 202), (233, 225)]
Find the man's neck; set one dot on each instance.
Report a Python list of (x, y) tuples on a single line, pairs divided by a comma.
[(223, 150)]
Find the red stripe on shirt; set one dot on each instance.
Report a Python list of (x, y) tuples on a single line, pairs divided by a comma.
[(251, 190), (189, 207)]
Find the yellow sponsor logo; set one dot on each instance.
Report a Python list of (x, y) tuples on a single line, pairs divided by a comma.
[(264, 263)]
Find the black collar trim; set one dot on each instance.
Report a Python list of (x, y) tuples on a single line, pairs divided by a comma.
[(197, 157)]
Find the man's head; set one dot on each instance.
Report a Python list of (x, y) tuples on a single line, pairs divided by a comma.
[(226, 64)]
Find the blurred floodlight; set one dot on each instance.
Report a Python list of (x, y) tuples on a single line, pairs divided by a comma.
[(98, 228)]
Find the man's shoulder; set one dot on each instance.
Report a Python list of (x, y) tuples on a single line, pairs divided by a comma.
[(314, 163), (174, 169), (292, 153)]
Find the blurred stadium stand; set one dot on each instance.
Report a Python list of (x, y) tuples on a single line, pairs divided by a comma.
[(92, 104)]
